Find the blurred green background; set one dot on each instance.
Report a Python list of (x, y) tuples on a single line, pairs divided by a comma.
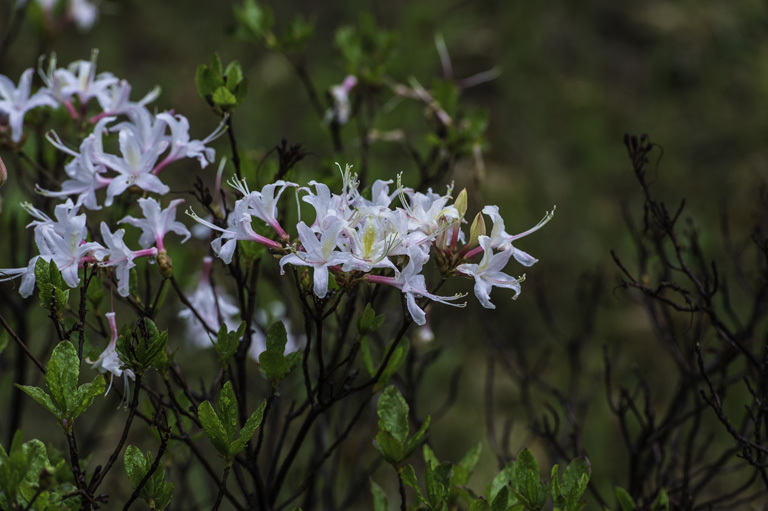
[(575, 76)]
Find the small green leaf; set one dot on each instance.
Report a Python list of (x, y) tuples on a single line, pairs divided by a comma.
[(393, 413), (41, 397), (380, 502), (86, 393), (223, 97), (662, 501), (213, 427), (277, 337), (417, 439), (234, 75), (503, 478), (254, 20), (626, 501), (61, 376), (501, 501), (479, 505), (365, 352), (395, 361), (134, 465), (246, 432), (206, 81), (227, 411), (369, 322), (390, 447), (216, 66)]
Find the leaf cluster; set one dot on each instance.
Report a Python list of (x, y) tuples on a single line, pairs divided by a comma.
[(65, 399)]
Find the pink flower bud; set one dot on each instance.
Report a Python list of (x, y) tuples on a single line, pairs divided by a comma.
[(3, 173)]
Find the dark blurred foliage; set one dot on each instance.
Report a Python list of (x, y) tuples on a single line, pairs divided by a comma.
[(575, 76)]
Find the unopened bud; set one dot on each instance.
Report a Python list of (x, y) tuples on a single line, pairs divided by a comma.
[(461, 203), (3, 173), (305, 280), (477, 229), (165, 264)]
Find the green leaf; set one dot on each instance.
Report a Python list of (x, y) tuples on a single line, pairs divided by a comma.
[(395, 361), (437, 483), (429, 456), (135, 465), (662, 501), (234, 75), (501, 501), (227, 342), (368, 321), (380, 502), (3, 340), (42, 272), (216, 66), (575, 480), (206, 81), (626, 501), (365, 352), (86, 393), (390, 447), (223, 97), (213, 427), (417, 439), (41, 397), (254, 20), (393, 413), (246, 432), (61, 376), (479, 505), (466, 465), (502, 479), (227, 411), (277, 337)]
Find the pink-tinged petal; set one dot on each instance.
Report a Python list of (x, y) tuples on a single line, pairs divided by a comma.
[(523, 257), (321, 281)]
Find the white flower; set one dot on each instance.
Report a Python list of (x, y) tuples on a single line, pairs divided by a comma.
[(412, 284), (156, 223), (214, 307), (500, 239), (16, 101), (135, 167), (488, 273), (183, 147), (120, 257), (109, 361), (319, 254)]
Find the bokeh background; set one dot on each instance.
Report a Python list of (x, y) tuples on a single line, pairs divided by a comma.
[(575, 77)]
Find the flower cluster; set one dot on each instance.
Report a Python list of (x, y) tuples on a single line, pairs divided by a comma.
[(356, 238), (148, 144)]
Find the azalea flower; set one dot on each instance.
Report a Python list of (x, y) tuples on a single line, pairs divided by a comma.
[(16, 101), (156, 223), (214, 307), (238, 228), (319, 254), (135, 167), (500, 239), (412, 284), (263, 204), (488, 272), (109, 361), (120, 257), (183, 147)]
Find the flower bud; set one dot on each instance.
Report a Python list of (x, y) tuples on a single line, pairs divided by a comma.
[(165, 264), (477, 229), (3, 173), (461, 203)]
